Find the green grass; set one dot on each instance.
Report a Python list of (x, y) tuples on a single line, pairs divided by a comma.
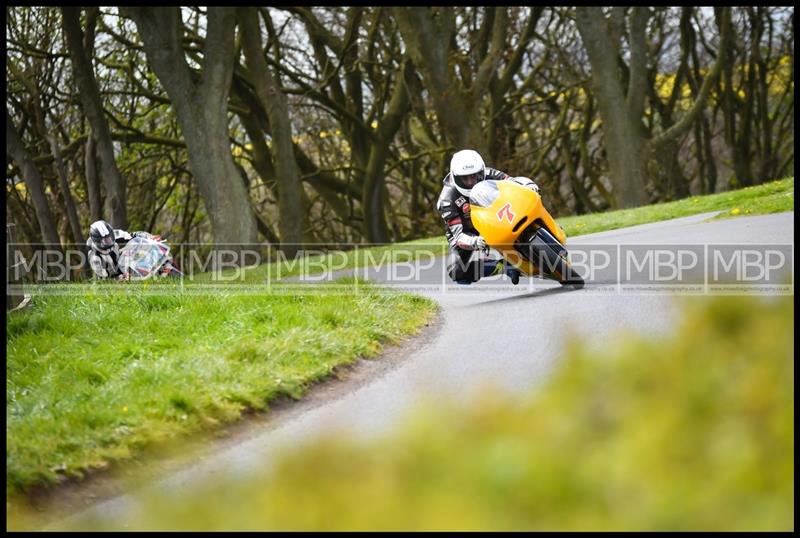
[(773, 197), (690, 431), (93, 378)]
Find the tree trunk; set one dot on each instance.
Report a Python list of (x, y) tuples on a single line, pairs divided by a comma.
[(52, 141), (116, 200), (69, 202), (666, 169), (623, 133), (373, 197), (428, 46), (703, 138), (501, 130), (736, 136), (201, 109), (627, 145), (92, 184), (33, 181), (292, 213), (329, 187)]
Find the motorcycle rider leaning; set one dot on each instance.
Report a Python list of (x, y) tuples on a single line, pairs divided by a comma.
[(466, 265), (104, 247)]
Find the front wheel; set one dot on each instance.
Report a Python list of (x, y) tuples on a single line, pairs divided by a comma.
[(539, 247), (169, 270)]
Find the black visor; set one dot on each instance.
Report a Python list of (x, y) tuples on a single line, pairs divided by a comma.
[(468, 181), (107, 242)]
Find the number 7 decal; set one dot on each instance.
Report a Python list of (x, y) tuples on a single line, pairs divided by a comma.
[(505, 211)]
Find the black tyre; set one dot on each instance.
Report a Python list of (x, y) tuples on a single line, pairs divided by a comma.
[(539, 247), (171, 271)]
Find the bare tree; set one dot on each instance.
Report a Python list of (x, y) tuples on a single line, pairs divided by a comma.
[(622, 106), (202, 106), (292, 213), (428, 34), (352, 113), (16, 149), (116, 199)]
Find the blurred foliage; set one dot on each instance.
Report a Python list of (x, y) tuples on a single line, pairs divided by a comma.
[(688, 432)]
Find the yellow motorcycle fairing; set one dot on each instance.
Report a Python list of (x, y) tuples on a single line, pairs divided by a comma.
[(502, 216)]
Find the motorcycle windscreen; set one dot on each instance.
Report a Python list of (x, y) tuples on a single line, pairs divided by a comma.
[(484, 193), (142, 257)]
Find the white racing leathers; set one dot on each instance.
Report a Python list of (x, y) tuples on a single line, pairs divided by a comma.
[(454, 208), (105, 264)]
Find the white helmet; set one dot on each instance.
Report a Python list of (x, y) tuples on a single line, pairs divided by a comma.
[(102, 236), (468, 169)]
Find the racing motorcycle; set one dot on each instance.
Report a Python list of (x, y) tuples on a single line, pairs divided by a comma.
[(513, 221), (146, 256)]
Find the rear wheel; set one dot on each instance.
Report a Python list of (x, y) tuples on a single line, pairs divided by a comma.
[(539, 247)]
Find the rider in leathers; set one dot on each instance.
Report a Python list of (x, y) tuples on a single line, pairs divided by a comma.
[(466, 245), (105, 244)]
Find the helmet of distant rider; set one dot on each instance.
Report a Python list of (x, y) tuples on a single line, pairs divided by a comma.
[(468, 169), (102, 236)]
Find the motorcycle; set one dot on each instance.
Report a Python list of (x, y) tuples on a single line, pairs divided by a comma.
[(513, 220), (146, 256)]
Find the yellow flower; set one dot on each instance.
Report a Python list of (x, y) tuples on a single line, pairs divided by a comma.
[(735, 211)]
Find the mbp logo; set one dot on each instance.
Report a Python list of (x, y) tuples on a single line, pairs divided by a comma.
[(764, 264), (659, 265)]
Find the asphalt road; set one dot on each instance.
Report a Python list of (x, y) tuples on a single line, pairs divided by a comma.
[(490, 333)]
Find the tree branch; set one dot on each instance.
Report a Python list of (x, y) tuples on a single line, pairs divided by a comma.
[(685, 123)]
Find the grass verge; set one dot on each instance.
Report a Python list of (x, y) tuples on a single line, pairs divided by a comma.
[(93, 378), (773, 197), (692, 431)]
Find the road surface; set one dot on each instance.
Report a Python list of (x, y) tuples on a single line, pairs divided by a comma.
[(488, 334)]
